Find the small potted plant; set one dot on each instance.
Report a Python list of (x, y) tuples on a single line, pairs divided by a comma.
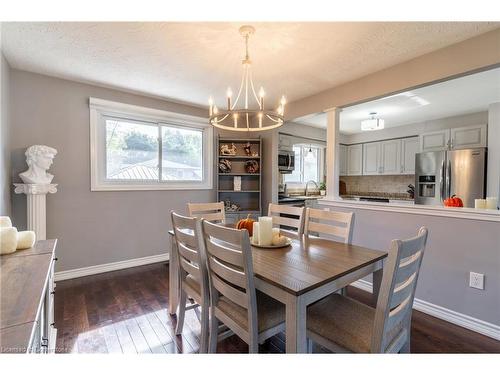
[(322, 188)]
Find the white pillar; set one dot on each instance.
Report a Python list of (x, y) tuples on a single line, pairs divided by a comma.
[(332, 152), (493, 173), (36, 206)]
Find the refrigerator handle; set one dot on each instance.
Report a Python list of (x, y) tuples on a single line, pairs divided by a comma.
[(441, 182), (448, 179)]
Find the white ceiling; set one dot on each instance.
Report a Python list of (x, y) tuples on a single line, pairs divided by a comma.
[(190, 61), (469, 94)]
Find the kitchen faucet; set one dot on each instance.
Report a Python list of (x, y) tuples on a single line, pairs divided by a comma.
[(307, 186)]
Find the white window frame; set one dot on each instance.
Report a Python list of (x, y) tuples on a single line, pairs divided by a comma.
[(304, 149), (100, 109)]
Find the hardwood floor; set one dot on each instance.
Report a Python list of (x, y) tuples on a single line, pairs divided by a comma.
[(126, 311)]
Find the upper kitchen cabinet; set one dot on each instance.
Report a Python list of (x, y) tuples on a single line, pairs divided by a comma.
[(342, 160), (382, 157), (409, 148), (285, 142), (468, 137), (355, 160), (390, 156), (435, 141), (371, 158), (455, 138)]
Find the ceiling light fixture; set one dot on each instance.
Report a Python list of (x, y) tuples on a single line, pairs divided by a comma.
[(372, 123), (246, 119)]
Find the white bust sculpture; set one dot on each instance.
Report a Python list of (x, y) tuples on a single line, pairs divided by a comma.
[(39, 159)]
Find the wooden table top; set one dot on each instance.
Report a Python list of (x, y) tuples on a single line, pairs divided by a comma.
[(308, 264)]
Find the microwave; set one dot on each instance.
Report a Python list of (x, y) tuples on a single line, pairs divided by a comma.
[(286, 161)]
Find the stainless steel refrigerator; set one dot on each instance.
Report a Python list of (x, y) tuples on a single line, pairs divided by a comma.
[(441, 174)]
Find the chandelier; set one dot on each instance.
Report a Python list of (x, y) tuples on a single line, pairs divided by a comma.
[(245, 117)]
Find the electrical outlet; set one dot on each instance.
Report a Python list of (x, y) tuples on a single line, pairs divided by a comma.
[(476, 280)]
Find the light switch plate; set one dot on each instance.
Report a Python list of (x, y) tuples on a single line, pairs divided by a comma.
[(476, 280)]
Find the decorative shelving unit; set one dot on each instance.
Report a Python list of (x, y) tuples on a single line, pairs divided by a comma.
[(249, 197)]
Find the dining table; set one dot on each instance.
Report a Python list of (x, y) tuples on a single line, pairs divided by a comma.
[(300, 274)]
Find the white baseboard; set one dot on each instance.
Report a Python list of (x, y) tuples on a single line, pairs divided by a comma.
[(462, 320), (101, 268)]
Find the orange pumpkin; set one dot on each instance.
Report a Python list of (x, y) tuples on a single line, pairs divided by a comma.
[(246, 224), (453, 201)]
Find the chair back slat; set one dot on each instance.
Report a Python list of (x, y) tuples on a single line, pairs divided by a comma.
[(230, 269), (231, 293), (190, 268), (227, 273), (402, 291), (187, 252), (186, 237), (296, 222), (224, 253), (213, 212), (397, 292), (329, 223), (397, 315), (407, 268), (190, 249)]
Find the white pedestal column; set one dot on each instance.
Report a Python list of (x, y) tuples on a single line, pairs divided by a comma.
[(332, 152), (36, 206)]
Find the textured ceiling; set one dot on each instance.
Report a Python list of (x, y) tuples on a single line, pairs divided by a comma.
[(191, 61), (469, 94)]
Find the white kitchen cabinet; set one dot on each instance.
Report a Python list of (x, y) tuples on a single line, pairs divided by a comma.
[(468, 137), (371, 158), (285, 142), (390, 156), (342, 160), (455, 138), (435, 141), (409, 148), (355, 160)]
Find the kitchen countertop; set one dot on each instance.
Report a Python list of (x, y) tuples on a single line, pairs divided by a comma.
[(390, 196), (298, 198)]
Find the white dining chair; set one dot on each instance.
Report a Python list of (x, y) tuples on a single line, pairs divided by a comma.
[(213, 212), (193, 273), (251, 315), (342, 324), (334, 224), (285, 217)]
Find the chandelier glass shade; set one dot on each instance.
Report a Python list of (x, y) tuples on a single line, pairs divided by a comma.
[(251, 114)]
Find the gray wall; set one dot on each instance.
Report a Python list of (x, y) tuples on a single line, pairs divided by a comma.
[(5, 207), (455, 247), (92, 227)]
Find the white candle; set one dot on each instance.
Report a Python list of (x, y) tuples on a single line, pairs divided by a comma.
[(265, 230), (480, 203), (276, 231), (255, 233), (491, 203)]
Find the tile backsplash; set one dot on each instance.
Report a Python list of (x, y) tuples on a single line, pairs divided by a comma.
[(397, 184)]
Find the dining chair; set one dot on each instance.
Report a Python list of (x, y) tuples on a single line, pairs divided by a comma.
[(293, 218), (193, 273), (333, 225), (342, 324), (213, 212), (330, 223), (251, 315)]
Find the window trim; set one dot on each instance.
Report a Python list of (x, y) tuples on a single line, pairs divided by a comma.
[(99, 109), (300, 162)]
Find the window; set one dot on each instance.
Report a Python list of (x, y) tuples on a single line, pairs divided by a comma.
[(308, 162), (136, 148)]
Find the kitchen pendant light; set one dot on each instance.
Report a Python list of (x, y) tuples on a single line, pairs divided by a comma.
[(245, 118), (372, 123)]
